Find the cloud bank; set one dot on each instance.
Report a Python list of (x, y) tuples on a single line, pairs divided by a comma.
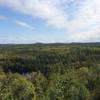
[(79, 18)]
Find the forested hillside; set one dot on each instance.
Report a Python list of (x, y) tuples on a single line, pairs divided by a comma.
[(50, 71)]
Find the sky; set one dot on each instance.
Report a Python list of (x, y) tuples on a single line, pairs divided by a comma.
[(49, 21)]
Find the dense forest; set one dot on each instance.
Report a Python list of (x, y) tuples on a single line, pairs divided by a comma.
[(50, 71)]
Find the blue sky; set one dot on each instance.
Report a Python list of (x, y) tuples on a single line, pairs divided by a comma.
[(30, 21)]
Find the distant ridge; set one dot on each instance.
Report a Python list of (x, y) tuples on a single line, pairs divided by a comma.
[(57, 44)]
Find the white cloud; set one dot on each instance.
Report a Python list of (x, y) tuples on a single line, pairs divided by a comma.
[(3, 17), (17, 22), (47, 10), (93, 35), (23, 24), (55, 13), (86, 26)]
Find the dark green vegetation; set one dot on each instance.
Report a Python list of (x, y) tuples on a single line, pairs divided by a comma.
[(50, 72)]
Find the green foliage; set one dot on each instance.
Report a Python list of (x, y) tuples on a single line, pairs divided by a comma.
[(40, 83), (68, 86), (16, 87), (50, 72)]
